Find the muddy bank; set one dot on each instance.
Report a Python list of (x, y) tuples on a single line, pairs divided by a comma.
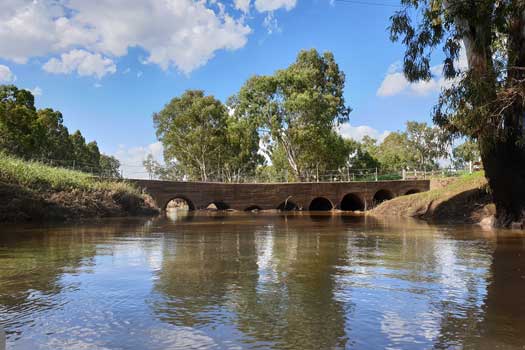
[(20, 204), (465, 200)]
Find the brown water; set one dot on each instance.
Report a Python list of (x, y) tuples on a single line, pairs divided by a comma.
[(259, 281)]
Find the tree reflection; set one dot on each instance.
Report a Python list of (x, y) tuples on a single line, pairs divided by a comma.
[(277, 287)]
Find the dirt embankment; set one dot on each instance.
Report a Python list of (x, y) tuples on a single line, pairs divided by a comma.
[(19, 204), (462, 200)]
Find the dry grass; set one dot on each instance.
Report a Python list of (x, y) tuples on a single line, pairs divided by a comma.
[(459, 199)]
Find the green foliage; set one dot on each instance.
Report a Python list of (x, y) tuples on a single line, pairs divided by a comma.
[(109, 166), (38, 176), (362, 155), (297, 109), (465, 153), (28, 133), (395, 152), (486, 96), (203, 140), (428, 144)]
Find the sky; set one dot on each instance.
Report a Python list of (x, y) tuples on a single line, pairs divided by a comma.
[(108, 65)]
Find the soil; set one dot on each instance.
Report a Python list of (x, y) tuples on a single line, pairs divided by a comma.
[(19, 204), (470, 203)]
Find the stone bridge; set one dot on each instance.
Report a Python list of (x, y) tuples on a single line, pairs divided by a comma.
[(354, 196)]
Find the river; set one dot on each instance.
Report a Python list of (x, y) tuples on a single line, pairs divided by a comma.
[(261, 281)]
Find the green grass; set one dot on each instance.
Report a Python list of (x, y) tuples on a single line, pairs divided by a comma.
[(407, 205), (38, 176)]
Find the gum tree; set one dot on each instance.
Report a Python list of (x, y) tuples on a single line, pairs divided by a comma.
[(297, 108), (486, 100)]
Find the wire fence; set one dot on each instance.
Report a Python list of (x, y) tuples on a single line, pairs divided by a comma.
[(346, 174)]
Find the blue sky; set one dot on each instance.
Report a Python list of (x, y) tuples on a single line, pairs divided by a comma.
[(108, 65)]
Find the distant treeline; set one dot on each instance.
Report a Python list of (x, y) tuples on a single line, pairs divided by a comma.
[(39, 134)]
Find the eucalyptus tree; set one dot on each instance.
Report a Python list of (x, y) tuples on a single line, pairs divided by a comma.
[(486, 101), (428, 144), (465, 153), (296, 107), (201, 139), (192, 129)]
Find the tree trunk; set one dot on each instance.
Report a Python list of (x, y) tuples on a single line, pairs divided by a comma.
[(504, 163)]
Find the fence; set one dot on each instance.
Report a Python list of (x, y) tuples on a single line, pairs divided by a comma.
[(346, 174)]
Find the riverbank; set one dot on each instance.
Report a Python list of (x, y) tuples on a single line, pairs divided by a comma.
[(463, 200), (31, 191)]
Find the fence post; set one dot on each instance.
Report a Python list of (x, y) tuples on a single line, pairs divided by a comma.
[(376, 175), (404, 174)]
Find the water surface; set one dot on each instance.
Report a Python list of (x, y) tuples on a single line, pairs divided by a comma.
[(259, 281)]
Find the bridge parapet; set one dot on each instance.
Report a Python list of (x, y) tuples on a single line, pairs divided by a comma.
[(355, 195)]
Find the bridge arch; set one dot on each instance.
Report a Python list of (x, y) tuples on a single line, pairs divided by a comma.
[(320, 204), (178, 202), (287, 206), (217, 205), (382, 195), (352, 202), (253, 208), (412, 191)]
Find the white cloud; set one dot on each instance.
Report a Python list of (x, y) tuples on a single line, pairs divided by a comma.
[(131, 159), (272, 5), (183, 34), (83, 62), (358, 132), (36, 91), (271, 24), (395, 82), (242, 5), (6, 76)]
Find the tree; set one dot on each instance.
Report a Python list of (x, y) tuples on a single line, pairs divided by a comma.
[(465, 153), (428, 144), (50, 136), (395, 152), (297, 107), (486, 100), (109, 166), (150, 165), (361, 155), (17, 116), (192, 129), (240, 156)]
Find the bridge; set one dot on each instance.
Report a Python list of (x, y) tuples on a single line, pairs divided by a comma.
[(352, 196)]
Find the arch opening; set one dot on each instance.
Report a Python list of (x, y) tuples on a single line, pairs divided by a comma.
[(288, 206), (253, 208), (412, 191), (382, 195), (352, 202), (320, 204), (217, 205), (179, 203)]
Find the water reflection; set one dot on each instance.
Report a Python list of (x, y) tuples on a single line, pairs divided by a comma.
[(244, 280)]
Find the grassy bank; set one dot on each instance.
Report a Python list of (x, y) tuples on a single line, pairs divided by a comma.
[(33, 191), (464, 200)]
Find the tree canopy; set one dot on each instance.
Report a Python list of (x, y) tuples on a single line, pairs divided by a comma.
[(484, 101), (41, 135), (297, 110)]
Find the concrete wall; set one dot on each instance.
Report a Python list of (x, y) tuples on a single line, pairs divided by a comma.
[(270, 196)]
